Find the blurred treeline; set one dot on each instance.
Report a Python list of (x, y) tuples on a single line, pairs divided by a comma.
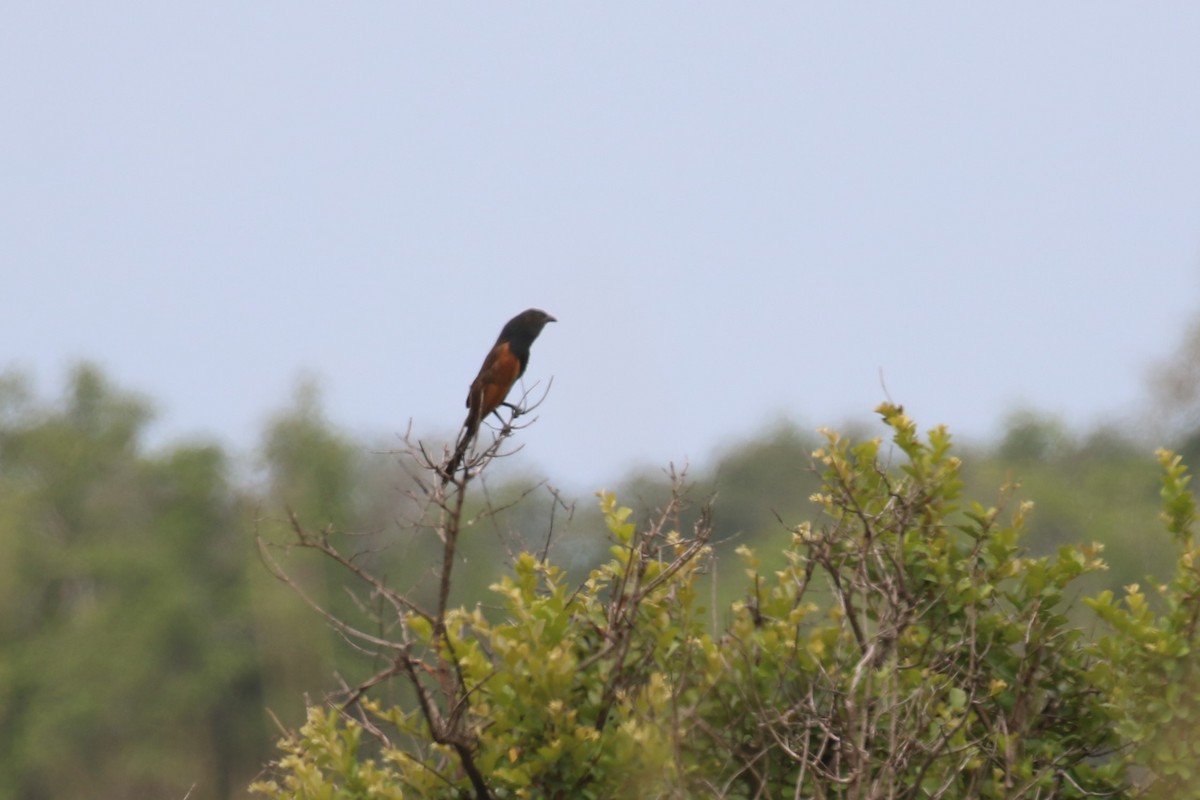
[(146, 651)]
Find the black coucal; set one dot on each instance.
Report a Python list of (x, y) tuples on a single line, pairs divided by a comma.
[(503, 366)]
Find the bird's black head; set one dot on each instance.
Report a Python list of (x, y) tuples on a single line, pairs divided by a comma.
[(525, 327)]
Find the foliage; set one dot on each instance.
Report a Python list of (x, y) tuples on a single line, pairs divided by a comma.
[(140, 638), (909, 647), (122, 620), (1148, 664), (144, 651)]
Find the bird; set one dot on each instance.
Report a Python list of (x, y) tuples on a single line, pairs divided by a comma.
[(505, 363)]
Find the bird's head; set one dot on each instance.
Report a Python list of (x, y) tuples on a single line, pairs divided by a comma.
[(526, 325)]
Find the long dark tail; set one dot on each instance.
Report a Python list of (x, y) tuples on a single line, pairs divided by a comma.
[(460, 451)]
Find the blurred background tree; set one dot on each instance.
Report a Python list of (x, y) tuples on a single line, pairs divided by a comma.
[(129, 667), (1175, 396)]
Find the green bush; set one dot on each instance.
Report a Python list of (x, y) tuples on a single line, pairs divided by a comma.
[(909, 647)]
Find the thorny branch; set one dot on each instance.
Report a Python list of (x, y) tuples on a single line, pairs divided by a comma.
[(432, 672)]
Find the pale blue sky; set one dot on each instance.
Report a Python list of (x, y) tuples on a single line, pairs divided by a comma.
[(737, 212)]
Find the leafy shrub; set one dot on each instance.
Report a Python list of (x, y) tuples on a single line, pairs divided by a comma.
[(908, 648)]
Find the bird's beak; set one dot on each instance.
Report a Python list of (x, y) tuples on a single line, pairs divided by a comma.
[(550, 318)]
